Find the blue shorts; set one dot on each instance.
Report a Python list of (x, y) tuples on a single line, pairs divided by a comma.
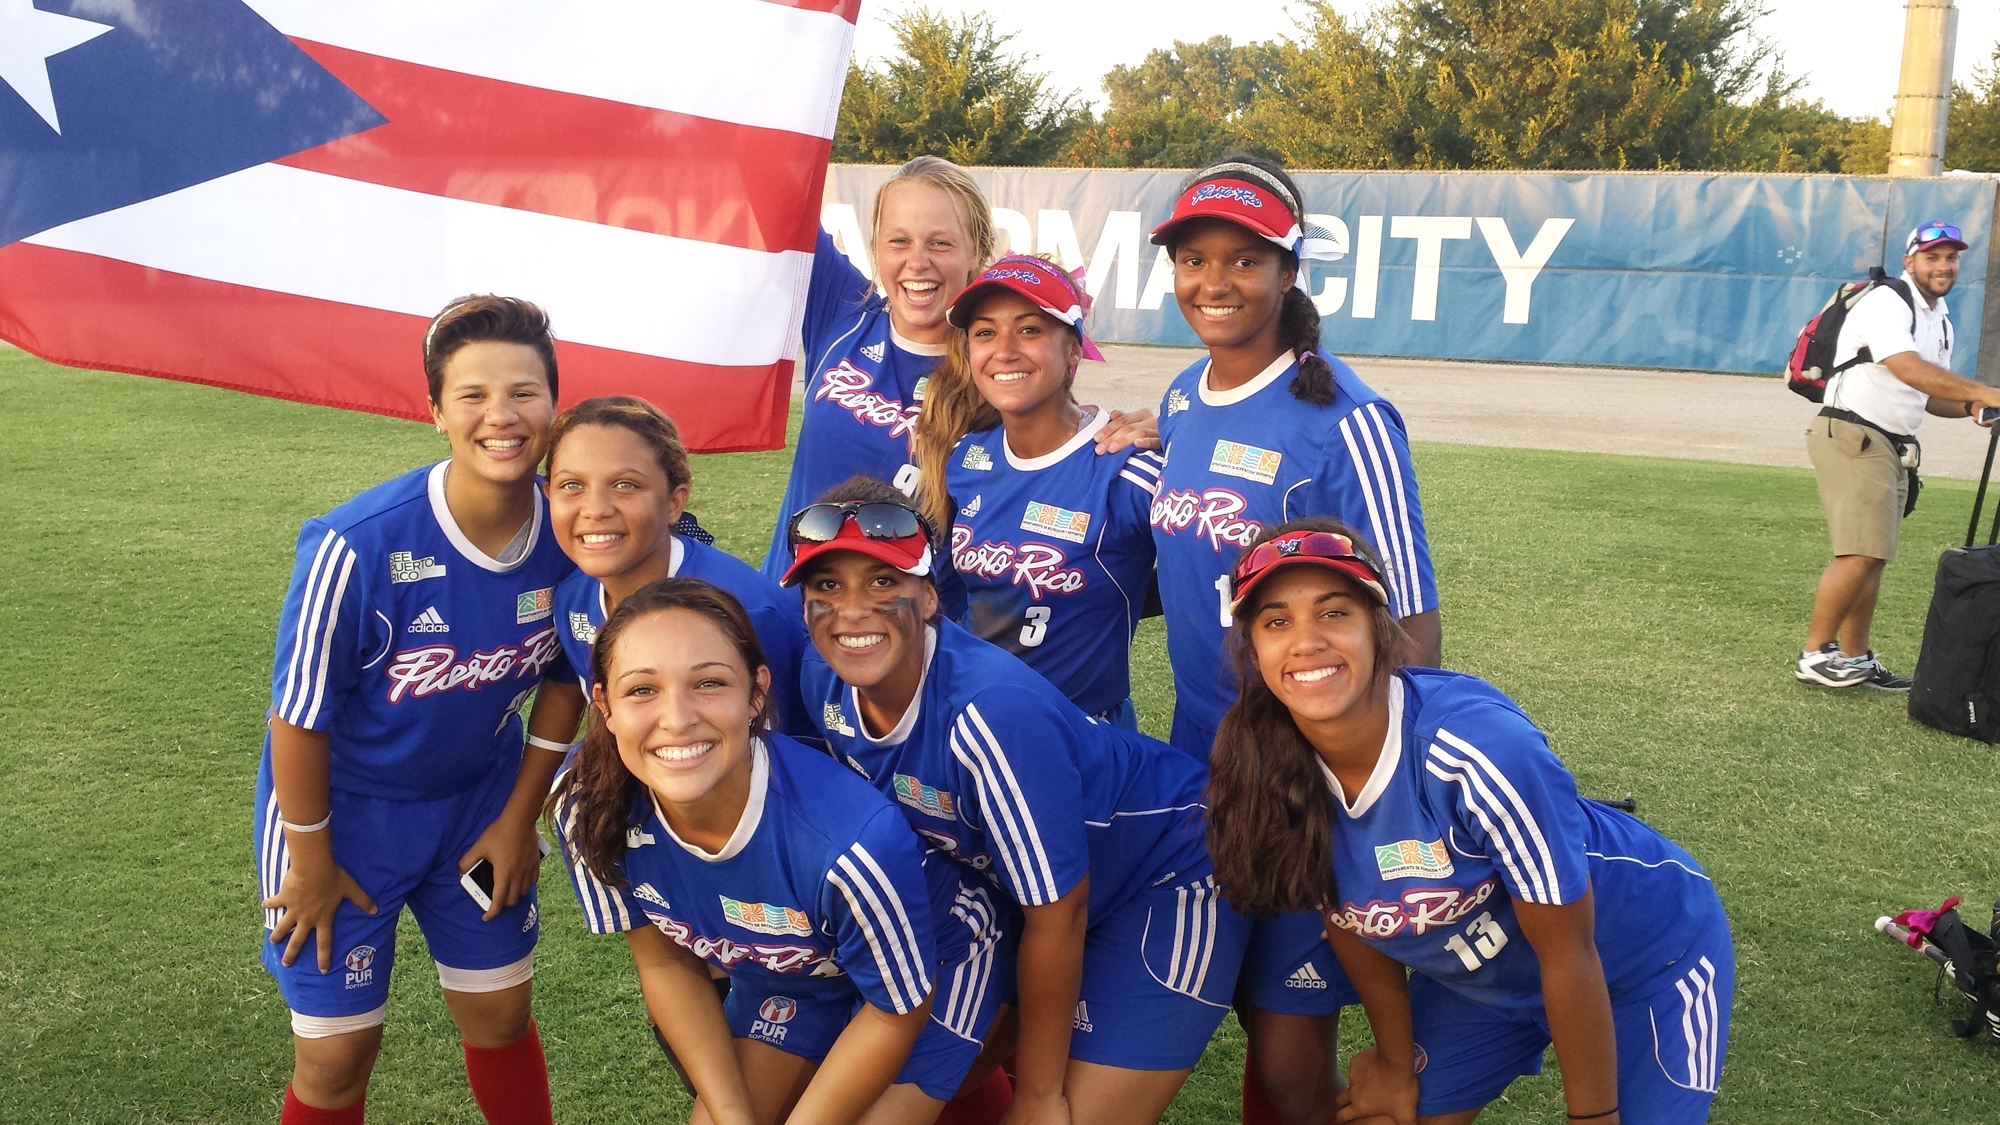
[(975, 971), (1158, 973), (1670, 1042), (801, 1016), (402, 853), (1290, 968), (1122, 715)]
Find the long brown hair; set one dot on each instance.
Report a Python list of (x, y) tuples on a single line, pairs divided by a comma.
[(1270, 816), (597, 799)]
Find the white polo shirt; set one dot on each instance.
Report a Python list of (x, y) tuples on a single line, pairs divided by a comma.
[(1880, 322)]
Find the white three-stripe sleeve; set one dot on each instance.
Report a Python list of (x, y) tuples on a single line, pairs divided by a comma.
[(1383, 502), (1033, 808), (1520, 803), (606, 909), (319, 631), (883, 922)]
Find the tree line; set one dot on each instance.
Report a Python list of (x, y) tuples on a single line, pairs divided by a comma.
[(1415, 84)]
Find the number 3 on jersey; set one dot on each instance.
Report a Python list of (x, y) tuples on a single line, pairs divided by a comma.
[(1488, 939), (1037, 629)]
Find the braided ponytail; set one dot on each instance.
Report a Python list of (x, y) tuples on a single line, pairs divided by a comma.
[(1298, 326)]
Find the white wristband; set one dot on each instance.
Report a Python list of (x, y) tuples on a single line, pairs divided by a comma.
[(320, 827), (548, 744)]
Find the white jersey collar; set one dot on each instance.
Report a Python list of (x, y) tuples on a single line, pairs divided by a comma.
[(904, 343), (441, 511), (1085, 433), (746, 825), (908, 722), (1386, 763), (1212, 397)]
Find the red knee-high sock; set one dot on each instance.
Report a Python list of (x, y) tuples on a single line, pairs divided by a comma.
[(511, 1083), (1257, 1108), (297, 1112), (985, 1105)]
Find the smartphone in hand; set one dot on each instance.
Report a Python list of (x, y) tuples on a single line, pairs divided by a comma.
[(478, 880), (1989, 415)]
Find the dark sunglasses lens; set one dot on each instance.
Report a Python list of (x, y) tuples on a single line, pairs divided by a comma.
[(819, 523), (885, 521)]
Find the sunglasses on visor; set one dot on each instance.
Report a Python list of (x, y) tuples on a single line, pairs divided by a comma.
[(874, 519), (1323, 545)]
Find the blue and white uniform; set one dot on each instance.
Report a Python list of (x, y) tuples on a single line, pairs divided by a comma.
[(1056, 553), (995, 768), (774, 614), (1468, 811), (414, 651), (864, 385), (1242, 460), (818, 902)]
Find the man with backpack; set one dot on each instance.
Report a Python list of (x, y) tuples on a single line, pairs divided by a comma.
[(1890, 367)]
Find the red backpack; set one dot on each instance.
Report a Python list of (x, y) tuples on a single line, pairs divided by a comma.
[(1811, 365)]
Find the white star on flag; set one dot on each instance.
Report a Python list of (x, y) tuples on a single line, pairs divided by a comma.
[(29, 37)]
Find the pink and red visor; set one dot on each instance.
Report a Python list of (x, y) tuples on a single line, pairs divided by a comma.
[(1048, 287), (1256, 208)]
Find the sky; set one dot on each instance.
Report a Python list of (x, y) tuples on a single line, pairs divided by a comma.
[(1848, 51)]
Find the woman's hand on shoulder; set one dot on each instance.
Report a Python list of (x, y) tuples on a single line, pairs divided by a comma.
[(1123, 431)]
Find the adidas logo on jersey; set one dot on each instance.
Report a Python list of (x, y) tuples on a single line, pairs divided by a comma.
[(1305, 977), (429, 622), (976, 457), (1082, 1021), (970, 510), (1177, 401), (874, 352), (403, 567), (646, 892)]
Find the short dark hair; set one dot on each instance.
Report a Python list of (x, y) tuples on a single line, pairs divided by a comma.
[(483, 316)]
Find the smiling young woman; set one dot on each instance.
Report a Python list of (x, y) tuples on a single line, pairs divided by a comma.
[(618, 486), (715, 844), (1050, 539), (1124, 962), (414, 631), (1481, 908)]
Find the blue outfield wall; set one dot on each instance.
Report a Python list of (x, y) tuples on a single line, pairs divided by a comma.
[(1694, 271)]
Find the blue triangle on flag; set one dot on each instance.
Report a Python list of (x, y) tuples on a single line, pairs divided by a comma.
[(178, 92)]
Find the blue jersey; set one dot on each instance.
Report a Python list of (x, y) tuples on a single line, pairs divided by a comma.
[(411, 648), (1243, 460), (864, 384), (1055, 553), (822, 885), (1467, 811), (996, 769), (774, 613)]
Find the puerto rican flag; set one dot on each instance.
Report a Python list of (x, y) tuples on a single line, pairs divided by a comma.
[(276, 195)]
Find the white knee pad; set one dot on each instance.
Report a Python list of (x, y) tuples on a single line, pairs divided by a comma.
[(486, 980), (324, 1027)]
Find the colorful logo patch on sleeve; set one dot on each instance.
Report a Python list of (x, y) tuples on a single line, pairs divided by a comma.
[(1059, 522), (1413, 859), (766, 919), (976, 457), (925, 798), (534, 605), (405, 568), (1235, 459)]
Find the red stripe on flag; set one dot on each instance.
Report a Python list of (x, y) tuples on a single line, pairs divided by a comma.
[(849, 10), (466, 137), (172, 326)]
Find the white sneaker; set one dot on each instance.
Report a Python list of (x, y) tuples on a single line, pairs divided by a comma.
[(1828, 668)]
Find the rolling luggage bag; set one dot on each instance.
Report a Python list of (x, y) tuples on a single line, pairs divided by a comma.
[(1957, 681)]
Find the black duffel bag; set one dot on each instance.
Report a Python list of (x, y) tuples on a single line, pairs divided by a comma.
[(1957, 681)]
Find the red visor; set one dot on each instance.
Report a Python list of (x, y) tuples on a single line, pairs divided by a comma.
[(911, 555), (1049, 288), (1250, 206)]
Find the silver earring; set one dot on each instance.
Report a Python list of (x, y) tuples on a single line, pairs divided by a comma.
[(438, 428)]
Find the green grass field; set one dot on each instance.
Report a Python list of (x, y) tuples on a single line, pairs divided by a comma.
[(1643, 611)]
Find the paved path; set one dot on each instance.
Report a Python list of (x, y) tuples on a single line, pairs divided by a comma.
[(1693, 415)]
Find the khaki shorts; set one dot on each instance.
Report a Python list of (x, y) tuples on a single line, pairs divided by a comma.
[(1862, 486)]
